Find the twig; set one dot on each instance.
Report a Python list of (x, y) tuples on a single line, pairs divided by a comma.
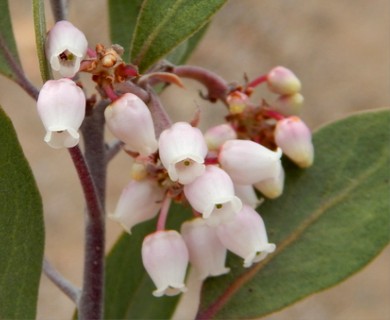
[(17, 73), (92, 296), (217, 87), (59, 9), (63, 284), (112, 149), (160, 117)]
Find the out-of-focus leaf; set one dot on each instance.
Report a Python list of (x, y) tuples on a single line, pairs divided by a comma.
[(123, 18), (128, 286), (332, 220), (7, 41), (21, 229), (163, 25)]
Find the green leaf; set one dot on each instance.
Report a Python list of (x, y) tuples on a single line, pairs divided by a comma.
[(180, 54), (7, 41), (40, 37), (128, 287), (122, 19), (21, 229), (332, 220), (163, 25)]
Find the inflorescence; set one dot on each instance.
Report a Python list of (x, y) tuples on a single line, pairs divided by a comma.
[(215, 172)]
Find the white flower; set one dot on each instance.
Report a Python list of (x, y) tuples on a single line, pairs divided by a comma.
[(283, 81), (294, 138), (247, 194), (212, 194), (272, 187), (165, 258), (207, 254), (217, 135), (65, 47), (61, 107), (139, 201), (248, 162), (129, 119), (182, 150), (246, 236)]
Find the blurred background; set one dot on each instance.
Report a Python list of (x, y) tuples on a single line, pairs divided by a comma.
[(339, 50)]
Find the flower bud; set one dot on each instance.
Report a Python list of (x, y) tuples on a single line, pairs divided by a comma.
[(283, 81), (130, 120), (65, 47), (140, 201), (246, 236), (272, 187), (237, 102), (207, 254), (212, 194), (182, 150), (294, 138), (248, 162), (217, 135), (289, 105), (165, 258), (61, 107)]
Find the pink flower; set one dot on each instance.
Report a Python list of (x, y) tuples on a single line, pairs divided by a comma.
[(212, 194), (66, 46), (283, 81), (130, 120), (165, 258), (247, 194), (248, 162), (246, 236), (61, 107), (207, 254), (272, 187), (139, 201), (294, 138), (182, 150)]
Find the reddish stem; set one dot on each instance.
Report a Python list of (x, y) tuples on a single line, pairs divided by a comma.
[(217, 87), (92, 296), (162, 218), (257, 81)]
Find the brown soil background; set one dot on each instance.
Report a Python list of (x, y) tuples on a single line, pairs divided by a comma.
[(340, 51)]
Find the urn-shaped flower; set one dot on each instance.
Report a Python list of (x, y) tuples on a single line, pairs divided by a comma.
[(65, 47), (182, 150), (248, 162), (207, 254), (61, 107), (139, 201), (165, 258), (129, 119), (212, 195), (246, 236)]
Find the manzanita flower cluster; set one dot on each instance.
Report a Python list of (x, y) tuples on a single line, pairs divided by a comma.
[(219, 173)]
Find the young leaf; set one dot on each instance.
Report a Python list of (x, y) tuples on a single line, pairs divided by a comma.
[(332, 220), (122, 18), (128, 286), (7, 41), (163, 25), (21, 229)]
